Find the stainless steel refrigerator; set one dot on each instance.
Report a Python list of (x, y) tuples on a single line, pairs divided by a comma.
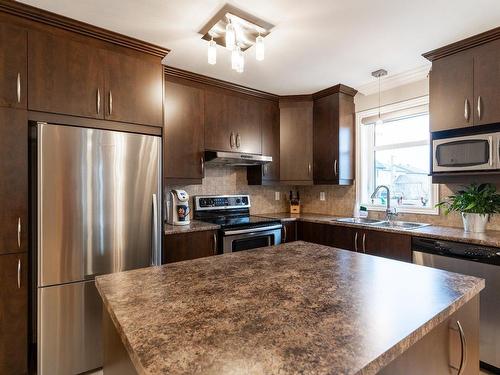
[(98, 212)]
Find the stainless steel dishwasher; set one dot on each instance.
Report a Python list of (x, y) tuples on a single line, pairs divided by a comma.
[(479, 261)]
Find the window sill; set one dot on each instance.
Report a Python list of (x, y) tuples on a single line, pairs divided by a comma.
[(404, 210)]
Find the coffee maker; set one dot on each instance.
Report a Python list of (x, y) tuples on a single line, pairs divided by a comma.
[(178, 208)]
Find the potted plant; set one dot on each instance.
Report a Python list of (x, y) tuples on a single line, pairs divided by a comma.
[(476, 203)]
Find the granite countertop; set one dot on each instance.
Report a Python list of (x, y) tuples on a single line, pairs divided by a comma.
[(489, 238), (290, 309), (193, 226)]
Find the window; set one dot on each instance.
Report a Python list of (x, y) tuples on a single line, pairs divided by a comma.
[(396, 153)]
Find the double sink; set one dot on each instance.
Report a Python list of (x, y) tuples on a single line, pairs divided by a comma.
[(405, 225)]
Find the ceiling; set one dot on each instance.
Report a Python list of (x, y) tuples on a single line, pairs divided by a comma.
[(315, 44)]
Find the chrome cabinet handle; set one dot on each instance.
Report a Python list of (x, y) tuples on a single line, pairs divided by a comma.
[(479, 105), (238, 140), (19, 87), (264, 172), (463, 347), (110, 102), (364, 242), (356, 242), (284, 233), (215, 244), (19, 232), (309, 168), (231, 140), (466, 109), (335, 168), (202, 162), (98, 100), (19, 274)]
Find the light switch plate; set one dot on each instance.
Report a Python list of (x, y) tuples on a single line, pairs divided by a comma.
[(277, 195), (322, 196)]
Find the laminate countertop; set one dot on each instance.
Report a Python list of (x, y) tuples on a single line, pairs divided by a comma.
[(489, 238), (193, 226), (295, 308)]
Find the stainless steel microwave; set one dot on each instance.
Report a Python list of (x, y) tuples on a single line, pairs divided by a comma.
[(478, 152)]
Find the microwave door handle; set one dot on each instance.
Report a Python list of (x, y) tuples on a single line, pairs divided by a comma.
[(490, 139)]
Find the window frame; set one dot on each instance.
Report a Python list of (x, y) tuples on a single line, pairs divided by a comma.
[(403, 105)]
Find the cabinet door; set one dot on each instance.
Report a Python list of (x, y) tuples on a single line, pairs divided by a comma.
[(187, 246), (345, 238), (218, 135), (326, 139), (245, 119), (13, 314), (388, 245), (65, 76), (183, 138), (487, 83), (13, 61), (134, 88), (14, 180), (289, 232), (296, 134), (271, 140), (451, 92)]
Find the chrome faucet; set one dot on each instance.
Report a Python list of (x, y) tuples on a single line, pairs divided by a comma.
[(390, 213)]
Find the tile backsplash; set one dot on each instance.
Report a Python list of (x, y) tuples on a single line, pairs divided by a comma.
[(233, 180)]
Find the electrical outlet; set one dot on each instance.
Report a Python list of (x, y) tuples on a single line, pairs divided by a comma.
[(277, 195), (322, 196)]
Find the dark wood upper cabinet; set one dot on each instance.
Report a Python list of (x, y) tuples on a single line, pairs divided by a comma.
[(270, 126), (13, 181), (187, 246), (13, 66), (487, 83), (465, 82), (65, 76), (296, 142), (451, 92), (183, 136), (133, 88), (333, 139), (232, 122), (13, 314)]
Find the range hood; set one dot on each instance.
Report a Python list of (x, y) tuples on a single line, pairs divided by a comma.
[(235, 159)]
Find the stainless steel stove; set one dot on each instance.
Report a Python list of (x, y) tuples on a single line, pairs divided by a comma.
[(239, 230)]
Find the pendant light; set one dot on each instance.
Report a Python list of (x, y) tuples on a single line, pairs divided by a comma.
[(378, 74), (241, 61), (259, 48), (212, 52), (235, 58), (230, 35)]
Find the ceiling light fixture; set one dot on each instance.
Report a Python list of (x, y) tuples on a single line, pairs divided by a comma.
[(212, 52), (259, 48), (379, 74), (237, 31)]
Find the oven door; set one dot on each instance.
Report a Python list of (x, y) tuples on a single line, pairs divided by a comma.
[(245, 239), (471, 153)]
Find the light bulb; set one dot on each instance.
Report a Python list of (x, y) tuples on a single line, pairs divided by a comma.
[(212, 52), (259, 48), (235, 59), (230, 36), (241, 61)]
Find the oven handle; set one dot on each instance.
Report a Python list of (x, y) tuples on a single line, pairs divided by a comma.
[(252, 230)]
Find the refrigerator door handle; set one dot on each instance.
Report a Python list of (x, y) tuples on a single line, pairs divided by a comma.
[(154, 242)]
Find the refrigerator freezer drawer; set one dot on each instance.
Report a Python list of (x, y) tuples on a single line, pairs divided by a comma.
[(69, 329)]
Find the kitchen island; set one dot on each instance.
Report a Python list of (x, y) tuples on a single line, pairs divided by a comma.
[(290, 309)]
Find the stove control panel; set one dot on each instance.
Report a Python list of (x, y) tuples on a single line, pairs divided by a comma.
[(208, 202)]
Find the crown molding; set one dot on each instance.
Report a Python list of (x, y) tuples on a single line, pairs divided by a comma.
[(464, 44), (340, 88), (62, 22), (296, 98), (199, 78), (395, 80)]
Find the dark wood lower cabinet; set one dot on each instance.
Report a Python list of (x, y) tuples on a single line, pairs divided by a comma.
[(190, 245), (385, 244), (13, 314), (289, 232)]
